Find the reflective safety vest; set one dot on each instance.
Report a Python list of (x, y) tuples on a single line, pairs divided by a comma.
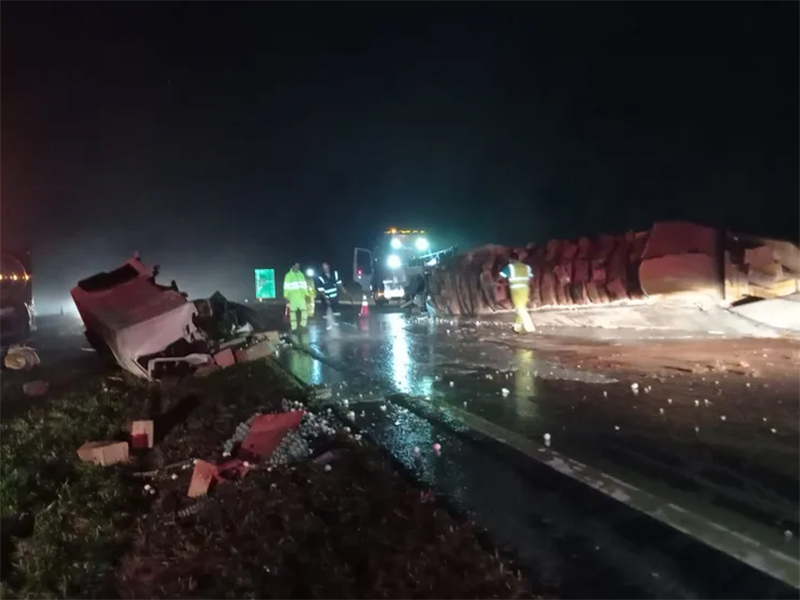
[(518, 275), (295, 285), (329, 284)]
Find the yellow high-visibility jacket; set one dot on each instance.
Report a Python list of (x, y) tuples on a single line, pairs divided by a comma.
[(295, 287)]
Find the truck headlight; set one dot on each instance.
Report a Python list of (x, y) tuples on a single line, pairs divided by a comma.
[(422, 244), (396, 243), (394, 262), (309, 272)]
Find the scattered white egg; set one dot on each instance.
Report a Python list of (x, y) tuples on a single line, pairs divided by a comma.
[(328, 468), (722, 417), (146, 487), (416, 451), (505, 392), (616, 427), (605, 394), (546, 437)]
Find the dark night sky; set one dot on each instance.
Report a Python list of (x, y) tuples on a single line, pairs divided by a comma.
[(218, 137)]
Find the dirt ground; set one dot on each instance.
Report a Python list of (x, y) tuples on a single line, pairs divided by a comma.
[(718, 415), (776, 359)]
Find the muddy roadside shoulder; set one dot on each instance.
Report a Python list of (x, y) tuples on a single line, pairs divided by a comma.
[(339, 522)]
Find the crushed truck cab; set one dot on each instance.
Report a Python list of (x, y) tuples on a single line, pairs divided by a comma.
[(127, 313)]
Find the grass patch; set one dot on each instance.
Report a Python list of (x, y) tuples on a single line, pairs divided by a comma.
[(80, 511)]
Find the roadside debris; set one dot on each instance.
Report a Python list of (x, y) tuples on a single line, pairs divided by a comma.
[(104, 453), (267, 432), (21, 358), (204, 475), (153, 330), (35, 388), (142, 434)]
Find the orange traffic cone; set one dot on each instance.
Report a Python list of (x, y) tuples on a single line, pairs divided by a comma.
[(364, 307)]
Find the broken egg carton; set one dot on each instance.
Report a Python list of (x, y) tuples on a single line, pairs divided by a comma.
[(292, 448)]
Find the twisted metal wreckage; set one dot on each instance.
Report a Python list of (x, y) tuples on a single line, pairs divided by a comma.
[(152, 329), (672, 261)]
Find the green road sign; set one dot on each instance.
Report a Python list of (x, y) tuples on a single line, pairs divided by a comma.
[(265, 284)]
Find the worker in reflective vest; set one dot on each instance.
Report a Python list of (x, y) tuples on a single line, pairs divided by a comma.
[(519, 277), (295, 290), (328, 283)]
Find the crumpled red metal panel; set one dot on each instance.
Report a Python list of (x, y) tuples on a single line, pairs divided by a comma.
[(267, 432)]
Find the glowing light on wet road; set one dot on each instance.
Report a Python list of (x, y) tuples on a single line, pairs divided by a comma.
[(401, 359)]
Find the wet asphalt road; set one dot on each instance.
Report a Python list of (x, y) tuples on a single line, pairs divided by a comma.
[(692, 457)]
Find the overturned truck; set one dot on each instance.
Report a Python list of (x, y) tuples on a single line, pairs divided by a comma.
[(672, 261), (151, 329)]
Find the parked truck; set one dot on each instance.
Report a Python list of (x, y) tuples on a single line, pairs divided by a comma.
[(17, 314), (392, 269)]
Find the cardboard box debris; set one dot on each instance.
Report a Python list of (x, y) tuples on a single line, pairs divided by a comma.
[(225, 358), (104, 453), (142, 434), (204, 474), (262, 349), (35, 388), (271, 336), (267, 432), (759, 258)]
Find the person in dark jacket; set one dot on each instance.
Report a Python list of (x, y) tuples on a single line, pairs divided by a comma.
[(328, 284)]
